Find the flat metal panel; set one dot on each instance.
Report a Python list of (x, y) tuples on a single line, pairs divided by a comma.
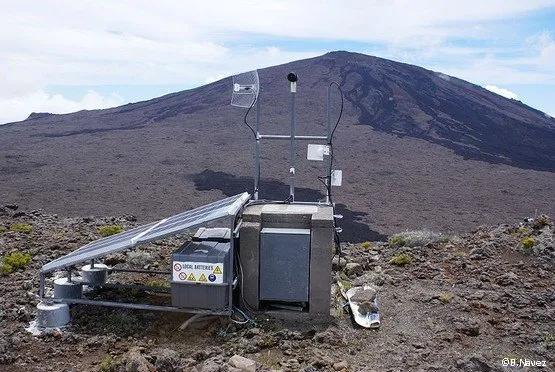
[(153, 231), (284, 264), (215, 234), (97, 248)]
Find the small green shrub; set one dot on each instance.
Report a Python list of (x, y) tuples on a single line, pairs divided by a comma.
[(445, 298), (5, 269), (528, 242), (397, 240), (2, 229), (520, 230), (109, 230), (346, 285), (158, 284), (17, 260), (549, 339), (106, 364), (366, 245), (21, 227), (401, 259)]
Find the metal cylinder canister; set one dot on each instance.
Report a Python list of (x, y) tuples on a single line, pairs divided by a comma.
[(94, 276), (64, 288), (52, 315)]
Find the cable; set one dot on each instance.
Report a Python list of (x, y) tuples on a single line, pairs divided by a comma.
[(340, 111), (337, 240), (256, 138), (330, 141), (245, 119), (244, 302), (245, 316)]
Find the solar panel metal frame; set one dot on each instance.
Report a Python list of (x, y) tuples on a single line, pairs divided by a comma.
[(153, 231)]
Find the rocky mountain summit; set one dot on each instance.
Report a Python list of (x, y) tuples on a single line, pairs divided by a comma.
[(470, 302)]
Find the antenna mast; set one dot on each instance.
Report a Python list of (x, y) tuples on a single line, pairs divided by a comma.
[(246, 89), (292, 77)]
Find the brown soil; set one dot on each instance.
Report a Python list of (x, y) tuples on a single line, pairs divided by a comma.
[(461, 305)]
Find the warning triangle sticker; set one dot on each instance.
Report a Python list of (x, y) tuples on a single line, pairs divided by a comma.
[(217, 270), (191, 277), (202, 278)]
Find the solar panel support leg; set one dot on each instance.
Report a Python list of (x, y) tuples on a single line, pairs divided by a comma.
[(41, 285)]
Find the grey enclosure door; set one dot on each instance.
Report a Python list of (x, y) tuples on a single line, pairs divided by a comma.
[(284, 264)]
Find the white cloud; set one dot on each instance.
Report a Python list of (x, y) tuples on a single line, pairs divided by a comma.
[(501, 91), (167, 42), (211, 79), (19, 108)]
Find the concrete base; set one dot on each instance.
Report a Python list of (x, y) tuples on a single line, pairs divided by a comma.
[(95, 276), (317, 218), (52, 315), (66, 289)]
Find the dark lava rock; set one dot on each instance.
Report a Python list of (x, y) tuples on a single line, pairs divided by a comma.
[(475, 364), (469, 327), (167, 360), (507, 279)]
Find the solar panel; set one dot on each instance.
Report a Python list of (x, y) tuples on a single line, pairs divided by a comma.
[(150, 232)]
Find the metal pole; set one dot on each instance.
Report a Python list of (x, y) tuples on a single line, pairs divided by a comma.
[(328, 108), (229, 275), (288, 137), (128, 305), (293, 143), (328, 176), (41, 285), (257, 151)]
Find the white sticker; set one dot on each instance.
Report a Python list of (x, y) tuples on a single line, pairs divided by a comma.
[(198, 272), (336, 177)]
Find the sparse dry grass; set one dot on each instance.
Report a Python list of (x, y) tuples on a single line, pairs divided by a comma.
[(445, 298), (21, 227), (541, 221), (416, 238)]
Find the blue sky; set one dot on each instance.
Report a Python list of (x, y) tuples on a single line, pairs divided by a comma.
[(64, 55)]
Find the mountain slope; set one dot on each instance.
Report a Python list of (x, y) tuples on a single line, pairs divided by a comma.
[(418, 149), (412, 101)]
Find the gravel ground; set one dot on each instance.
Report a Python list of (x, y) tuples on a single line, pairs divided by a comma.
[(463, 303)]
